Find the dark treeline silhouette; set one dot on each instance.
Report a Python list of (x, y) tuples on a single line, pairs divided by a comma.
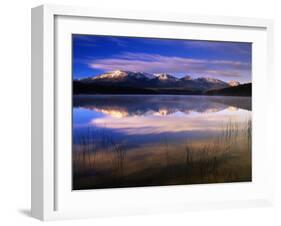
[(84, 88), (93, 88), (240, 90)]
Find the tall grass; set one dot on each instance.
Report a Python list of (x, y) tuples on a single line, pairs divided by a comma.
[(100, 160), (95, 149), (208, 163)]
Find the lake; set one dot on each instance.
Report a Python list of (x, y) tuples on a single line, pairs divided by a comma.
[(154, 140)]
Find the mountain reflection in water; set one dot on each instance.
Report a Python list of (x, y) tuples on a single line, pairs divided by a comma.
[(139, 104), (145, 126), (142, 114)]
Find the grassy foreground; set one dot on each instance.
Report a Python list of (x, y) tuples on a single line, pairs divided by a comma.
[(99, 161)]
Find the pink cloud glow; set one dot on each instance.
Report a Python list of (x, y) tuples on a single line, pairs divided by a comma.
[(154, 63)]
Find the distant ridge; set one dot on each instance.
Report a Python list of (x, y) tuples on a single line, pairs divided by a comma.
[(240, 90), (129, 82)]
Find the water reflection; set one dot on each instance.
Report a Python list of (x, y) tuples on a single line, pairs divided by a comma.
[(161, 114), (121, 106), (145, 127)]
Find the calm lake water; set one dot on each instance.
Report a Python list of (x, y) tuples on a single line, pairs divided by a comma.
[(151, 140)]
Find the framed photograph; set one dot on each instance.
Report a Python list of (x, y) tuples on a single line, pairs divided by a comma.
[(137, 112)]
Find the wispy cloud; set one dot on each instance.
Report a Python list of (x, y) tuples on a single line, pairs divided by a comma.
[(155, 63)]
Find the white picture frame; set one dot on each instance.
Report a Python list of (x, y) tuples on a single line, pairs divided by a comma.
[(52, 197)]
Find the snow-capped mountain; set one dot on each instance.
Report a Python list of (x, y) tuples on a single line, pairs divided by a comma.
[(205, 83), (234, 83), (113, 75), (165, 77), (210, 80), (120, 74), (143, 80)]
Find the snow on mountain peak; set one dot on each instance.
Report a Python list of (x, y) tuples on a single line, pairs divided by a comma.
[(212, 80), (117, 74), (133, 76), (164, 76), (114, 74), (234, 83), (147, 75)]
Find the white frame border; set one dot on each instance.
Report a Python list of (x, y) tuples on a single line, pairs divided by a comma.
[(43, 94)]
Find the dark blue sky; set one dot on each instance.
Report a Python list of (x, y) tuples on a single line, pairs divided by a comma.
[(93, 55)]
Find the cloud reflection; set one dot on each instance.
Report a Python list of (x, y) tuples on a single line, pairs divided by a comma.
[(144, 115), (176, 122)]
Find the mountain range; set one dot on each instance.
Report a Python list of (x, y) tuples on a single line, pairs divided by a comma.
[(128, 82)]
